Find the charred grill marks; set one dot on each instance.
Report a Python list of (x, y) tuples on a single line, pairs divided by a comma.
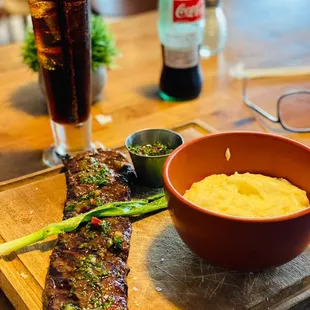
[(88, 267)]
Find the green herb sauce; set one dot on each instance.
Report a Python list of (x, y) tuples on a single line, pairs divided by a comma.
[(89, 164), (91, 270), (70, 207), (155, 149), (118, 240), (70, 307), (98, 201), (108, 303), (90, 195), (100, 178), (105, 226)]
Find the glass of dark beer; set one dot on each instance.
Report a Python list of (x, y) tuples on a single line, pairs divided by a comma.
[(62, 33)]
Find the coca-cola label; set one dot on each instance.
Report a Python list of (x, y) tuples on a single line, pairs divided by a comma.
[(187, 10)]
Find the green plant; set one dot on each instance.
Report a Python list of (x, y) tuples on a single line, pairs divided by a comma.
[(103, 46), (29, 51)]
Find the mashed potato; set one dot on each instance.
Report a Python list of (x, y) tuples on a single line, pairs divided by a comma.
[(247, 195)]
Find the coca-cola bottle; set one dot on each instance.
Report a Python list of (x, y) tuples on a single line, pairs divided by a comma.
[(181, 25)]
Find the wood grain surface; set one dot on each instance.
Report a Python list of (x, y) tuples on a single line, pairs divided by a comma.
[(165, 274), (260, 34)]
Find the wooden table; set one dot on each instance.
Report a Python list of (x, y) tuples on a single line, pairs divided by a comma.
[(261, 33)]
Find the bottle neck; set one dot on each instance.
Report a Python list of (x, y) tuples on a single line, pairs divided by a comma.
[(212, 3)]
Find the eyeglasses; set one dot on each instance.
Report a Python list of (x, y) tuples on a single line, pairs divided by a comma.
[(293, 109)]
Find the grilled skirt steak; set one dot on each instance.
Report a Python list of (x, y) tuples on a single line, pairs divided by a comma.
[(88, 266)]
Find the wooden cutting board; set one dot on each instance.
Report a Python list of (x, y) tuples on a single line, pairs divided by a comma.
[(164, 273)]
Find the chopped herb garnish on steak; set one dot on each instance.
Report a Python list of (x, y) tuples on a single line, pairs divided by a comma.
[(100, 178), (70, 207), (83, 164), (89, 233), (106, 227), (94, 301), (94, 161), (98, 201), (108, 303), (70, 307), (109, 242), (118, 240), (92, 194), (155, 149), (88, 164), (88, 226), (82, 245), (91, 271)]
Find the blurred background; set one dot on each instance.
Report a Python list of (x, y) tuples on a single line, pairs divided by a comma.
[(13, 14), (260, 34)]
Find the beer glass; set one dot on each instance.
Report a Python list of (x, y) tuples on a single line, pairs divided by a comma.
[(62, 34)]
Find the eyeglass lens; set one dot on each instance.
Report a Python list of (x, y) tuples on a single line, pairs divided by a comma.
[(294, 110)]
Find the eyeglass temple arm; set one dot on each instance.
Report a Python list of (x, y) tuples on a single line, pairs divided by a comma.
[(254, 107)]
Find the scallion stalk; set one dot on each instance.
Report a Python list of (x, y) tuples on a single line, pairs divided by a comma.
[(122, 208)]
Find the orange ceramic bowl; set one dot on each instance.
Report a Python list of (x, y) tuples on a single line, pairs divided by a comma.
[(246, 244)]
